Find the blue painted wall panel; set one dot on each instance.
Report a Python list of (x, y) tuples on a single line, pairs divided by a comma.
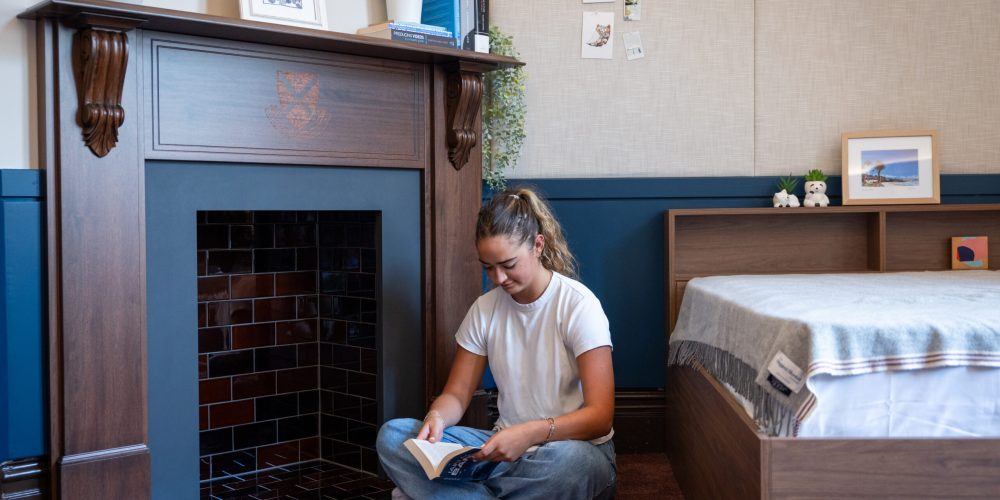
[(22, 350)]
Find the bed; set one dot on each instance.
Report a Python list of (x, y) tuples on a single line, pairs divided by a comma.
[(718, 450)]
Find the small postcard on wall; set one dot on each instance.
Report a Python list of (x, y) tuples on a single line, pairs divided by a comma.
[(633, 45), (597, 35), (633, 10)]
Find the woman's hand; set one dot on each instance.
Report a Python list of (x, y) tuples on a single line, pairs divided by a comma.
[(509, 444), (433, 427)]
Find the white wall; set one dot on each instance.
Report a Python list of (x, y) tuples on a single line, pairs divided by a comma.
[(18, 137)]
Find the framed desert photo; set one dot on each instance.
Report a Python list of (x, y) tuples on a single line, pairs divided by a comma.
[(304, 13), (882, 168)]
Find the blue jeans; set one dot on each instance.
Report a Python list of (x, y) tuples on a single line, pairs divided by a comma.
[(558, 469)]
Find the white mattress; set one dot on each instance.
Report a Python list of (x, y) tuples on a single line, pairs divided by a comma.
[(939, 402)]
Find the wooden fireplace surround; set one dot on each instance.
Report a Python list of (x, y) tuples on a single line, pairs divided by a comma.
[(122, 84)]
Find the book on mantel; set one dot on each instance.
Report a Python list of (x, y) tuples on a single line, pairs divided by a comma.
[(411, 32)]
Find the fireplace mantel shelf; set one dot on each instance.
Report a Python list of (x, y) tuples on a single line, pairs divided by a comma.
[(187, 23)]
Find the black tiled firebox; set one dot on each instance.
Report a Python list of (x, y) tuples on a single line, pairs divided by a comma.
[(288, 321)]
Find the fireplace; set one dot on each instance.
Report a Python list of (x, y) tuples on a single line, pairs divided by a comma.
[(149, 116), (278, 335)]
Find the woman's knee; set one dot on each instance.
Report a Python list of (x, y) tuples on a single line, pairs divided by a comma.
[(581, 457), (394, 432)]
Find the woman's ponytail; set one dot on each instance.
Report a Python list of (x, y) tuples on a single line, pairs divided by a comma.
[(520, 213)]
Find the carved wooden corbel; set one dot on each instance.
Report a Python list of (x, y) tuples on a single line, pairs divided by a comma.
[(464, 95), (101, 58)]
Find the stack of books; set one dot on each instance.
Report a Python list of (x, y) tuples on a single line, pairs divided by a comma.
[(425, 34), (447, 23)]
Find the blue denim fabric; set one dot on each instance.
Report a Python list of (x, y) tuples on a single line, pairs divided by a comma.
[(572, 470)]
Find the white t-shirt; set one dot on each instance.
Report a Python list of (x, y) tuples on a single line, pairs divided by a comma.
[(532, 348)]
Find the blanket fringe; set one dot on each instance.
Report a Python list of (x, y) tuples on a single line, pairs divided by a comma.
[(773, 417)]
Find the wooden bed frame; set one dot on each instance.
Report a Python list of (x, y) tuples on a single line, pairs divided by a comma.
[(716, 450)]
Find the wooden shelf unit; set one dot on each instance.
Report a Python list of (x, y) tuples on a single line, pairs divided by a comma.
[(712, 242)]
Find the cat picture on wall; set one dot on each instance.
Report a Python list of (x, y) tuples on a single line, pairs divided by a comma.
[(597, 35)]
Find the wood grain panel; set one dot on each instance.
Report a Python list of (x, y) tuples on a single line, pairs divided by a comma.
[(455, 273), (101, 333), (768, 243), (259, 103), (922, 241), (118, 474), (713, 446), (884, 468)]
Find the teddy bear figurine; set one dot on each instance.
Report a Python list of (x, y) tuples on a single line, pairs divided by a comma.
[(815, 190)]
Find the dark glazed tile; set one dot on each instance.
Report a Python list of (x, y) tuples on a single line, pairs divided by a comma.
[(202, 366), (361, 384), (306, 259), (346, 406), (298, 379), (346, 357), (241, 236), (308, 402), (228, 216), (330, 234), (275, 216), (344, 453), (332, 282), (202, 263), (298, 427), (202, 418), (297, 283), (333, 331), (251, 435), (274, 309), (295, 332), (213, 288), (230, 363), (333, 379), (272, 261), (253, 335), (253, 285), (253, 385), (275, 358), (273, 407), (263, 235), (369, 260), (369, 361), (213, 339), (308, 354), (295, 235), (229, 414), (361, 335), (217, 441), (307, 306), (277, 454), (213, 390), (212, 236), (231, 464), (309, 448), (229, 262)]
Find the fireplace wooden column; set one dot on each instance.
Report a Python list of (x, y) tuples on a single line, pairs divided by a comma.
[(121, 84)]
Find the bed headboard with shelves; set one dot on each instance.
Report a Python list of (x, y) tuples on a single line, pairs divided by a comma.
[(711, 242)]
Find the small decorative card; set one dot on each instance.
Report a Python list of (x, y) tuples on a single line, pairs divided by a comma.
[(969, 252), (633, 45), (633, 10), (596, 38)]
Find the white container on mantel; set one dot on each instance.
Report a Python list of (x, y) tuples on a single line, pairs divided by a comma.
[(403, 10)]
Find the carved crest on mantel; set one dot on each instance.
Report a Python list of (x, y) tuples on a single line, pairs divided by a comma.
[(298, 113)]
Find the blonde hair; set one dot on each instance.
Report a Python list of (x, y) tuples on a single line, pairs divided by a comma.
[(520, 214)]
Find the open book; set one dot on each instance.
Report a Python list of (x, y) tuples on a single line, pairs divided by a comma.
[(449, 460)]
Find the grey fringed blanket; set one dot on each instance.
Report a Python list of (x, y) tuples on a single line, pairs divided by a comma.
[(766, 335)]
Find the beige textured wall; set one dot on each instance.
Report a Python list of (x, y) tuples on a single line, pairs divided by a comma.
[(765, 87)]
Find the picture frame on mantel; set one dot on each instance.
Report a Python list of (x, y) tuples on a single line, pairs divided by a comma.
[(302, 13), (890, 168)]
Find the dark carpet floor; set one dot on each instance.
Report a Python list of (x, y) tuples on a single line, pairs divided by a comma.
[(646, 476)]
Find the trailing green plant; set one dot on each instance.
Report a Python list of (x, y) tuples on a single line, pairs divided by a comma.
[(503, 114), (788, 184), (815, 175)]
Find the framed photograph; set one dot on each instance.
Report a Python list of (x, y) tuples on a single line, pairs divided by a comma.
[(304, 13), (884, 168)]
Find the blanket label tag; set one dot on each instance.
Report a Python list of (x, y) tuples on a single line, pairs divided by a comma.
[(787, 372)]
